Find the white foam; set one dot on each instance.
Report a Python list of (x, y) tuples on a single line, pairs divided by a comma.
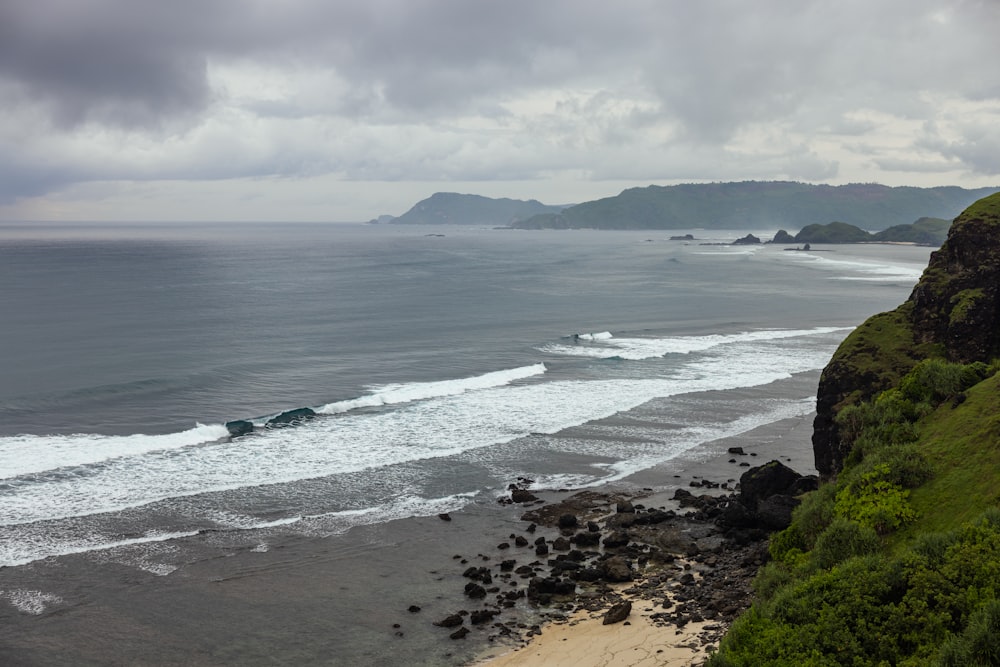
[(870, 271), (36, 547), (33, 543), (636, 349), (418, 391), (30, 602), (603, 335), (27, 454), (444, 426)]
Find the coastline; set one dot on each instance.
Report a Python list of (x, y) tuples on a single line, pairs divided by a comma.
[(303, 597), (649, 636)]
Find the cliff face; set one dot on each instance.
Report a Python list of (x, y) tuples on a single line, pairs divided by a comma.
[(953, 312)]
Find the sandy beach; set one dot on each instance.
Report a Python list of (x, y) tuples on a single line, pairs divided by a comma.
[(584, 640)]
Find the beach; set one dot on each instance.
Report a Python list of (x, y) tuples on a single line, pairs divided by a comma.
[(293, 601)]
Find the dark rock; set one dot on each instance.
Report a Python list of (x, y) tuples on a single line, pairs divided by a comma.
[(541, 549), (482, 616), (736, 450), (413, 609), (615, 569), (452, 621), (772, 478), (616, 539), (587, 539), (291, 417), (775, 512), (593, 527), (522, 496), (475, 591), (568, 521), (520, 541), (625, 507), (444, 516), (749, 239), (617, 613), (460, 633), (561, 544), (507, 565), (239, 427)]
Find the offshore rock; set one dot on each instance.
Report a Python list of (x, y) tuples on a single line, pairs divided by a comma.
[(292, 417), (239, 427)]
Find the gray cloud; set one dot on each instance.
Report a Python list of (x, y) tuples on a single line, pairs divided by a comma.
[(399, 90)]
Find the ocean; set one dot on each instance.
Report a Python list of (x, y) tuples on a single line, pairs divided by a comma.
[(443, 364)]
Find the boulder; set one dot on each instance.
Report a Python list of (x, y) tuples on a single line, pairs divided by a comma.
[(615, 569), (452, 621), (290, 417), (522, 496), (775, 512), (772, 478), (617, 613), (239, 427)]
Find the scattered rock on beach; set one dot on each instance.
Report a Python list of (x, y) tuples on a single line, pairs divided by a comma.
[(617, 613)]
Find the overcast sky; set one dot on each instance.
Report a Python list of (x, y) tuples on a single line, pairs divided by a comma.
[(344, 110)]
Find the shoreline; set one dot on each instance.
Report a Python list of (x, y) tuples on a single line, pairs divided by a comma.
[(302, 597), (676, 608)]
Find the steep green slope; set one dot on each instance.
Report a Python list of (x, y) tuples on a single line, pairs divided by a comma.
[(953, 312), (895, 559)]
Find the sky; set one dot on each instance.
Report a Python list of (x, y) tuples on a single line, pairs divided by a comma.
[(336, 110)]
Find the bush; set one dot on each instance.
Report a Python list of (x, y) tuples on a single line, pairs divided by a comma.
[(844, 539), (875, 500), (979, 643)]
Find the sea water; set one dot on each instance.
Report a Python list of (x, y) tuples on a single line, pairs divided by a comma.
[(443, 363)]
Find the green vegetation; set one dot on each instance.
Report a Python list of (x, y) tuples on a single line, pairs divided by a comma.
[(834, 232), (925, 231), (897, 562), (760, 205), (448, 208)]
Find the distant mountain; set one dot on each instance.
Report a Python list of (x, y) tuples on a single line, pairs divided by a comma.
[(925, 231), (449, 208), (760, 205)]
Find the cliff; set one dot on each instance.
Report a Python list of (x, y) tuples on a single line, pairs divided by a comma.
[(953, 313), (895, 558)]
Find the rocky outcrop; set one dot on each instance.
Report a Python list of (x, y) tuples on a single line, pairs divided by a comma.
[(292, 417), (953, 312), (239, 427)]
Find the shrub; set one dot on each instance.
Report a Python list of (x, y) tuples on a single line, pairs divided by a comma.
[(844, 539), (979, 643), (875, 500)]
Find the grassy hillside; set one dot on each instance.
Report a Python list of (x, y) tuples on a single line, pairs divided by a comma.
[(895, 560), (898, 561)]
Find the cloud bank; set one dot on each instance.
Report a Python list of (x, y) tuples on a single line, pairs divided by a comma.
[(304, 109)]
